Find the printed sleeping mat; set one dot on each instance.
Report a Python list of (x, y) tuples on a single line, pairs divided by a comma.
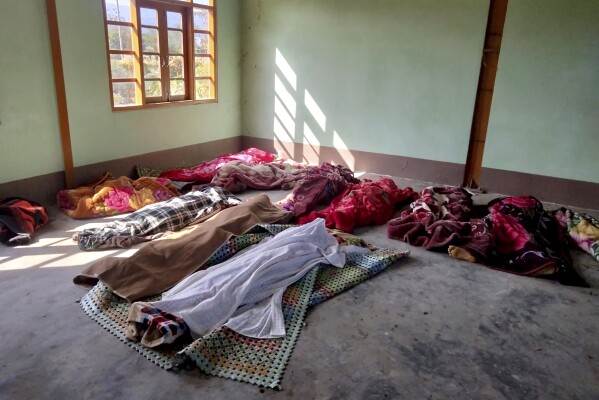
[(227, 354)]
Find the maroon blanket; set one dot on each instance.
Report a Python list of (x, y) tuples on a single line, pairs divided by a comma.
[(237, 176), (365, 203), (517, 235), (321, 185)]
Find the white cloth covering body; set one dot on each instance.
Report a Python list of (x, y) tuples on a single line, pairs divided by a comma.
[(245, 293)]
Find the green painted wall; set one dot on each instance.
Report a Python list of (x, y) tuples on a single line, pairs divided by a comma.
[(389, 76), (29, 133), (98, 133), (545, 112)]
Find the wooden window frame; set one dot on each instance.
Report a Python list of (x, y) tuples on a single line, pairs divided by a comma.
[(186, 8)]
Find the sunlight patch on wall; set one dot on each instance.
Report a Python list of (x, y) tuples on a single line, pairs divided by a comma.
[(316, 112), (311, 146), (343, 150), (25, 262), (285, 118), (283, 138), (286, 69), (285, 97)]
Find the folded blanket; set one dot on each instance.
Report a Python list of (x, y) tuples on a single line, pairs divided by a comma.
[(110, 196), (157, 219), (159, 265), (153, 327), (203, 172)]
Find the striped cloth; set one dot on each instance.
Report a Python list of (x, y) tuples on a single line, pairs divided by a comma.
[(154, 220)]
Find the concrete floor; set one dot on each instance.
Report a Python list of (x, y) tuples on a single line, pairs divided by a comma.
[(428, 327)]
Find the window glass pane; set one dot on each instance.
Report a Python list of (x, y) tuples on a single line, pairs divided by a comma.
[(200, 19), (201, 42), (122, 66), (202, 67), (149, 40), (176, 66), (151, 66), (153, 89), (123, 93), (175, 42), (177, 87), (118, 10), (202, 89), (173, 20), (119, 37), (203, 2), (148, 16)]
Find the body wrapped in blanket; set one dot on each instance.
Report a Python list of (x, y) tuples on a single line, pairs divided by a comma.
[(516, 235), (245, 292)]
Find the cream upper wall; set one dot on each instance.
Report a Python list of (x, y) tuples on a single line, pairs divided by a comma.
[(100, 134), (545, 112), (29, 132), (389, 76)]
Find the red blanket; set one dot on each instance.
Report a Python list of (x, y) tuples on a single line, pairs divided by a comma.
[(203, 172), (362, 204)]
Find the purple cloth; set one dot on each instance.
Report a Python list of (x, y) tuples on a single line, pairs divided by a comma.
[(320, 186)]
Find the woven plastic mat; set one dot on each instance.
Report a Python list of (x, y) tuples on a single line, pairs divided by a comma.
[(226, 353)]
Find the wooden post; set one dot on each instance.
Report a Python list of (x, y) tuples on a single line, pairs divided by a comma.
[(484, 94), (61, 96)]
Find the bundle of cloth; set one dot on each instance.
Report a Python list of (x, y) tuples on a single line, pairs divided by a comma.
[(361, 204), (237, 176), (204, 171), (319, 186), (158, 219), (515, 235), (243, 293), (110, 196), (583, 230)]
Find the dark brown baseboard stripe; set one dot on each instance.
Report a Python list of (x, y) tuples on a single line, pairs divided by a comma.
[(44, 188), (405, 167), (545, 188), (171, 158)]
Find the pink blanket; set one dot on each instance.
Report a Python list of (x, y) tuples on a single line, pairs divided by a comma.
[(203, 172)]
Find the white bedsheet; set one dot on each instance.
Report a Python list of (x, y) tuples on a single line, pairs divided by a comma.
[(245, 293)]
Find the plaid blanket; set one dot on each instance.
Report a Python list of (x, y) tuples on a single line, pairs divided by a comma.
[(153, 327), (154, 220)]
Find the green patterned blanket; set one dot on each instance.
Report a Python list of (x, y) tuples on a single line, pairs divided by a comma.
[(226, 353)]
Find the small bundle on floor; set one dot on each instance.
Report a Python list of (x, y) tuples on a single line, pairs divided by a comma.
[(19, 219)]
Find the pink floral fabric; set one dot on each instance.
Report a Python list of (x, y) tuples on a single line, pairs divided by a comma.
[(110, 196), (203, 172)]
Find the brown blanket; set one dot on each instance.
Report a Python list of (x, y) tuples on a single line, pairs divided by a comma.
[(159, 265)]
